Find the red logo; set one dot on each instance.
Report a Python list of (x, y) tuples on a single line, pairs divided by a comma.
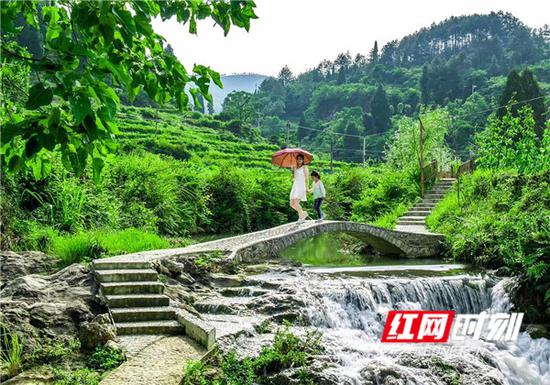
[(418, 326)]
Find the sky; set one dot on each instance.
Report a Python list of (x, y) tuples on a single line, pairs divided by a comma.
[(301, 33)]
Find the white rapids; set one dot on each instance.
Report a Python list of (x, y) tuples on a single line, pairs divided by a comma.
[(351, 313)]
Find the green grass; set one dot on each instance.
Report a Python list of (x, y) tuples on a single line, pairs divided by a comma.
[(389, 219), (88, 245), (12, 352)]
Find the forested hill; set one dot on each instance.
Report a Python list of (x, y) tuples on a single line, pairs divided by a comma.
[(236, 82), (460, 64), (485, 40)]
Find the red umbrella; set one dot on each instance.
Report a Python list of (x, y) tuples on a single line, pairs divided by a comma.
[(287, 157)]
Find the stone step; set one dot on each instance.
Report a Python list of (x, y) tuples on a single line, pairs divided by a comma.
[(131, 275), (412, 218), (149, 327), (137, 300), (136, 314), (418, 213), (440, 190), (144, 287), (400, 223), (430, 201), (433, 196), (106, 264)]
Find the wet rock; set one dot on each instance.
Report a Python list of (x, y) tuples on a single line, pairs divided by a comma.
[(110, 344), (185, 279), (14, 265), (226, 280), (97, 332), (38, 307), (177, 292), (378, 373), (39, 376), (537, 330)]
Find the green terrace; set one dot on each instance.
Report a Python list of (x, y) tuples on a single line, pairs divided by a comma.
[(185, 137)]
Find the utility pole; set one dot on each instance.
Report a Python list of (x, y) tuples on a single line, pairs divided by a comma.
[(421, 157), (364, 147)]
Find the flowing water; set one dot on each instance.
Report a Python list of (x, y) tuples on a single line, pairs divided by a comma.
[(349, 306)]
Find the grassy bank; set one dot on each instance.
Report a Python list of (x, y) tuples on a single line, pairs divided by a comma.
[(502, 221)]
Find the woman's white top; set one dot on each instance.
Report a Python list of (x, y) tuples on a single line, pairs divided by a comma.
[(299, 186)]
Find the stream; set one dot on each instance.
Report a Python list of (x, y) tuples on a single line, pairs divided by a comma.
[(348, 305)]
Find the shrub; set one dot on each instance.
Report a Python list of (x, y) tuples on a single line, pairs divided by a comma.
[(230, 200), (194, 373), (386, 197), (286, 351), (76, 377), (53, 352), (104, 359)]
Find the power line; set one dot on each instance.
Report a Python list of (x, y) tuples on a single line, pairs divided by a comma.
[(498, 108), (339, 133)]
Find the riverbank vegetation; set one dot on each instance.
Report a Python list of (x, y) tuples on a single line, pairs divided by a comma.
[(499, 217), (286, 351), (62, 362)]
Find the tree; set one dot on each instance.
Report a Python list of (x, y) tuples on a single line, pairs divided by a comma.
[(241, 105), (403, 151), (425, 85), (352, 142), (285, 75), (210, 108), (380, 111), (519, 88), (301, 133), (533, 93), (88, 48), (373, 57), (511, 142)]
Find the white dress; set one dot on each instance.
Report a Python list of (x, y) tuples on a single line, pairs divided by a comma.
[(299, 186)]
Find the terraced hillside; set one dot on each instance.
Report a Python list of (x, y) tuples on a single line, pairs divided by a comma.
[(197, 137)]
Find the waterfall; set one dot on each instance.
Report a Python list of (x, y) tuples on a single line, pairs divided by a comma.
[(351, 313), (362, 304)]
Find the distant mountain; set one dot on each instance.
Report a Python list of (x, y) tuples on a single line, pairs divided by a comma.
[(238, 82)]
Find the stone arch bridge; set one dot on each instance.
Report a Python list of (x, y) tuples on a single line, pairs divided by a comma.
[(268, 243)]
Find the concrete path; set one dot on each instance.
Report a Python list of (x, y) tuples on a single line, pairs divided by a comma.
[(160, 363)]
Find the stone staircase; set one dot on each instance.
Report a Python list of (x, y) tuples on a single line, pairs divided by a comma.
[(417, 215), (135, 298)]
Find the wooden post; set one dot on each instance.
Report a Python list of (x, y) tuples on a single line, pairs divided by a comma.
[(421, 157)]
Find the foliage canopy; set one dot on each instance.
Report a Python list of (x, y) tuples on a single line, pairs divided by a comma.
[(90, 48)]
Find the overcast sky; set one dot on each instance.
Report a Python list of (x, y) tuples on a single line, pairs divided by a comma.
[(300, 33)]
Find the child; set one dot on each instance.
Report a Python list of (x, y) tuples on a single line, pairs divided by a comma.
[(319, 194)]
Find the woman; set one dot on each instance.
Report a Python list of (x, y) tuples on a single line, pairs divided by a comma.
[(299, 187)]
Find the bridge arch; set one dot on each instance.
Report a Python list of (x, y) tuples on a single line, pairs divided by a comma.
[(385, 241)]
